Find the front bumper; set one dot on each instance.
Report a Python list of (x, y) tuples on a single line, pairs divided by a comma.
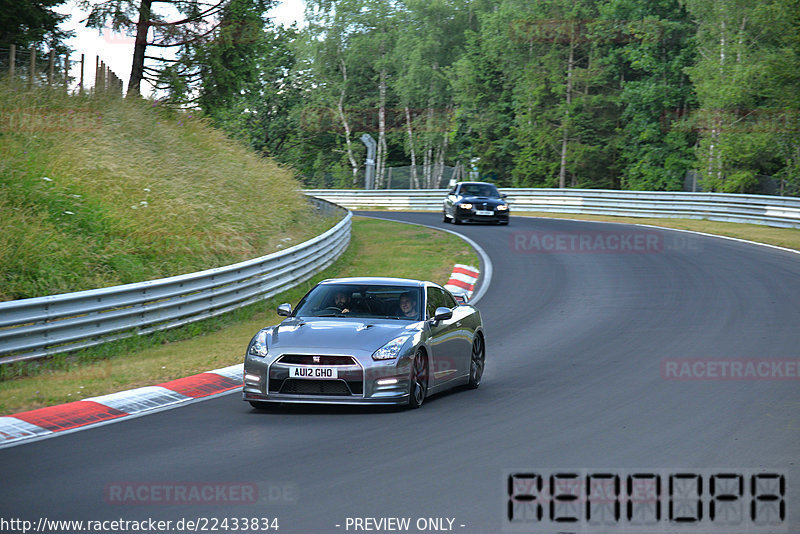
[(469, 215), (360, 380)]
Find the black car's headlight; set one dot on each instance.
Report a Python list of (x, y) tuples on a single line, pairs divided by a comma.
[(258, 347), (465, 206), (502, 207), (391, 349)]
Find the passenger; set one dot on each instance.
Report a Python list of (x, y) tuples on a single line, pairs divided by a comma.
[(408, 305)]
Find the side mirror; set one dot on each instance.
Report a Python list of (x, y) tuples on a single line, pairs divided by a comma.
[(503, 195), (442, 314), (285, 310)]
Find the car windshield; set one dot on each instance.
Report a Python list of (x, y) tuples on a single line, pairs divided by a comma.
[(359, 300), (480, 190)]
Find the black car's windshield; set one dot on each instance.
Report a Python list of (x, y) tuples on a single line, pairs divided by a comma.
[(358, 300), (480, 190)]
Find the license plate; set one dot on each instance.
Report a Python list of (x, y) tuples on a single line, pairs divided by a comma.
[(313, 373), (484, 212)]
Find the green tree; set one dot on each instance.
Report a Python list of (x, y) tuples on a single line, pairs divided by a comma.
[(655, 44), (740, 42), (153, 29), (535, 95), (32, 23)]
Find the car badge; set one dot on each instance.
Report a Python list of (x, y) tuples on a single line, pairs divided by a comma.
[(316, 359)]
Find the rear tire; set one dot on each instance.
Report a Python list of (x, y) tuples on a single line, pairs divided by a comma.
[(444, 217), (418, 388)]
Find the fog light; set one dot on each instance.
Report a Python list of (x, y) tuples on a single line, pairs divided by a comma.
[(386, 381), (251, 379)]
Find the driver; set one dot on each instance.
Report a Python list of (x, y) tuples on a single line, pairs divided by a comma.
[(342, 300)]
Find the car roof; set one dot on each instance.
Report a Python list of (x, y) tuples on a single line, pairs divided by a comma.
[(475, 183), (376, 280)]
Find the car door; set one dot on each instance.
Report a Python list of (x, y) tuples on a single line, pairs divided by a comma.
[(462, 334), (443, 340)]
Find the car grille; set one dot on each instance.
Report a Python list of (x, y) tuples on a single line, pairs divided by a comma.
[(307, 359), (349, 383), (293, 386)]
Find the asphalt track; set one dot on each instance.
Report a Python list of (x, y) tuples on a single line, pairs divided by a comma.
[(577, 345)]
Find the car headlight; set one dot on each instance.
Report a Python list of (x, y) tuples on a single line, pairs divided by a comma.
[(465, 206), (391, 349), (502, 207), (258, 347)]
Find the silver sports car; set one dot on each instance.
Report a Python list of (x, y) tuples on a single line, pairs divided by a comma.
[(366, 341)]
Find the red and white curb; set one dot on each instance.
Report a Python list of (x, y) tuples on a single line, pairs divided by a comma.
[(463, 280), (106, 408)]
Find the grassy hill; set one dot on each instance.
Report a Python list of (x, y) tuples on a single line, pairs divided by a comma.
[(102, 191)]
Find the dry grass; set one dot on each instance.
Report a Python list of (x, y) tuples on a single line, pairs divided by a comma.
[(97, 192)]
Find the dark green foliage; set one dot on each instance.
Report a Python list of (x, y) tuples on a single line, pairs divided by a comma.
[(630, 94), (24, 23)]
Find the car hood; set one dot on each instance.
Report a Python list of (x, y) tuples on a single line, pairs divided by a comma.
[(490, 201), (337, 333)]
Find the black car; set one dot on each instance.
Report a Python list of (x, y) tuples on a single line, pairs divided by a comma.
[(476, 202)]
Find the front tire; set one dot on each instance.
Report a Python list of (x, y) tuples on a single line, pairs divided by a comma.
[(418, 388), (477, 362), (258, 405), (444, 217)]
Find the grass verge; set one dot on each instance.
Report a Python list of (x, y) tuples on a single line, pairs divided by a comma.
[(97, 191), (377, 248)]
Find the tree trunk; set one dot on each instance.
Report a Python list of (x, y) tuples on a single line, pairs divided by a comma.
[(437, 179), (137, 67), (413, 182), (346, 125), (562, 173), (382, 150), (427, 164)]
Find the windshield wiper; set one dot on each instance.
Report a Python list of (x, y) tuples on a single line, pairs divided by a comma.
[(331, 315)]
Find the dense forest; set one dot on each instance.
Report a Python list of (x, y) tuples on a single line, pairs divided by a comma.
[(629, 94)]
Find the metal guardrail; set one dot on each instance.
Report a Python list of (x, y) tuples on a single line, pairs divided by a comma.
[(754, 209), (38, 327)]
